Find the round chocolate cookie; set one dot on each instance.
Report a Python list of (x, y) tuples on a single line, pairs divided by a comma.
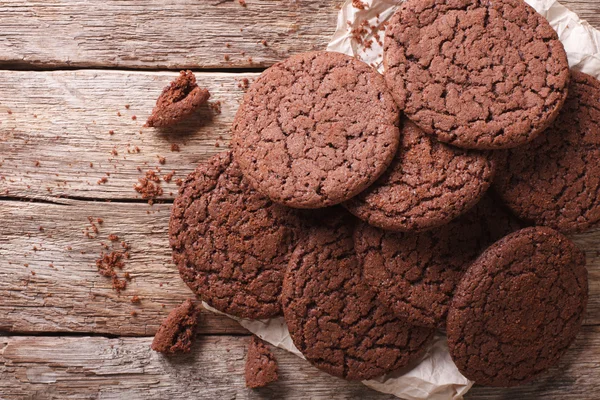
[(555, 180), (230, 243), (478, 74), (427, 185), (415, 274), (316, 130), (334, 318), (518, 308)]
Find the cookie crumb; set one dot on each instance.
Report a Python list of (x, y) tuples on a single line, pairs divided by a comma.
[(242, 3), (162, 160), (177, 330), (178, 101), (358, 4), (136, 299), (261, 365), (175, 147), (167, 178), (107, 263), (149, 186), (113, 238), (216, 106), (111, 132)]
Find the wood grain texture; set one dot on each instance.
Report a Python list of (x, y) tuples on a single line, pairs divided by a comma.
[(125, 368), (165, 34), (61, 121), (67, 294), (172, 34), (70, 295)]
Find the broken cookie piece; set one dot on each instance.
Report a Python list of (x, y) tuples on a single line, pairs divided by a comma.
[(176, 332), (261, 365), (178, 101)]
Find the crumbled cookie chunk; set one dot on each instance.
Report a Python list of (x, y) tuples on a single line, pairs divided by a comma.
[(177, 331), (178, 101)]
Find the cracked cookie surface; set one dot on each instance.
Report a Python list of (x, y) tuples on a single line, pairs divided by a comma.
[(230, 243), (477, 74), (334, 318), (415, 274), (518, 308), (315, 130), (554, 181), (427, 185)]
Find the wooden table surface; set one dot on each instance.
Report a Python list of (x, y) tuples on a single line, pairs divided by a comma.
[(72, 71)]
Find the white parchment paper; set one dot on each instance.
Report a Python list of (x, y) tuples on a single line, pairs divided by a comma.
[(435, 377)]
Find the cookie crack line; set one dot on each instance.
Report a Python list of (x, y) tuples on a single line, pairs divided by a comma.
[(298, 137), (474, 75)]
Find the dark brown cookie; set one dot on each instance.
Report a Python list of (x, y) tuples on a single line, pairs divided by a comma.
[(415, 274), (334, 318), (518, 308), (555, 180), (316, 130), (178, 101), (230, 243), (427, 185), (261, 365), (478, 74), (176, 332)]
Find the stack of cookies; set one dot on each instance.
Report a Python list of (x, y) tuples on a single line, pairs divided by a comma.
[(373, 210)]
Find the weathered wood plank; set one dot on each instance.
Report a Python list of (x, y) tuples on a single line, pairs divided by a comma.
[(89, 368), (93, 367), (53, 124), (161, 34), (70, 295), (172, 34), (67, 294)]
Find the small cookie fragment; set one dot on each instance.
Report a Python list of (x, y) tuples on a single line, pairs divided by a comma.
[(477, 74), (415, 274), (334, 318), (230, 243), (261, 365), (177, 331), (554, 181), (427, 185), (315, 130), (518, 308), (178, 101)]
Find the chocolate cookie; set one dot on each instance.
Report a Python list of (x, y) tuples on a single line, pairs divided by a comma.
[(415, 274), (176, 332), (315, 130), (427, 185), (334, 318), (555, 180), (518, 308), (478, 74), (178, 101), (230, 243), (261, 365)]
